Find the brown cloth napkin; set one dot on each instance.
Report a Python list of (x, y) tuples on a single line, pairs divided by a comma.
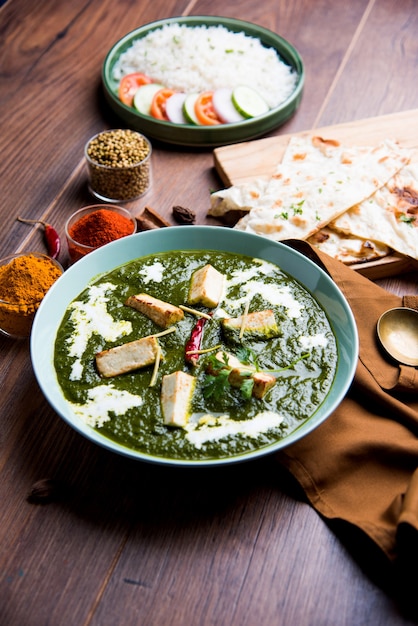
[(360, 465)]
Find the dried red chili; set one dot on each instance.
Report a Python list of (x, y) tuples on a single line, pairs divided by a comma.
[(194, 343), (100, 227), (52, 238)]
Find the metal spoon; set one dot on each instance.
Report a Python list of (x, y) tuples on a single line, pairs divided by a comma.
[(397, 330)]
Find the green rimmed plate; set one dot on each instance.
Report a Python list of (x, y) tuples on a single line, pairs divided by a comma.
[(201, 136)]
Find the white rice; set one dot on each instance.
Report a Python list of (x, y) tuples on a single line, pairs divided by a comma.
[(202, 58)]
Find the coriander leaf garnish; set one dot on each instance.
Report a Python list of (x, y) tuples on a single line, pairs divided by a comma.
[(217, 364), (221, 376), (247, 387), (246, 356), (408, 219), (297, 208), (215, 386)]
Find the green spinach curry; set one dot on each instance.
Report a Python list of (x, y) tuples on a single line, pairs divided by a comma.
[(225, 420)]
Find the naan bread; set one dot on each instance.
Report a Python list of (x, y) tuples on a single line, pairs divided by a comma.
[(347, 248), (238, 197), (390, 216), (316, 182)]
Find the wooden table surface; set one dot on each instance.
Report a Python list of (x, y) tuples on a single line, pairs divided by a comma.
[(138, 544)]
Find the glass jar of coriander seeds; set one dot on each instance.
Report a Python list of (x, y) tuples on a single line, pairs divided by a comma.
[(119, 165)]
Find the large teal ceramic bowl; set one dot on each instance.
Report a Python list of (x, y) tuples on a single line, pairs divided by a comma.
[(75, 279), (209, 136)]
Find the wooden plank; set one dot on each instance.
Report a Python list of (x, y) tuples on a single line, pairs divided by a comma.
[(238, 163), (393, 265), (242, 162)]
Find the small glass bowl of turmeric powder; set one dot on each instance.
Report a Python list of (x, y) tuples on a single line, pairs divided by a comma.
[(25, 279), (96, 225)]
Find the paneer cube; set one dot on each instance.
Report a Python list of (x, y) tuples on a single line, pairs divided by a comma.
[(263, 382), (127, 357), (160, 312), (240, 372), (176, 395), (230, 361), (238, 375), (206, 288), (258, 325)]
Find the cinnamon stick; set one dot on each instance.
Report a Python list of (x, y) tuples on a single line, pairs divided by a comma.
[(149, 219)]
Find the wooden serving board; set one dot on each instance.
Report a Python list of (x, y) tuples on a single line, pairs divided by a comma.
[(245, 161)]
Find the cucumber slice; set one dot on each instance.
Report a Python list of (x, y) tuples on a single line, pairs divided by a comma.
[(224, 106), (249, 102), (174, 108), (143, 97), (188, 108)]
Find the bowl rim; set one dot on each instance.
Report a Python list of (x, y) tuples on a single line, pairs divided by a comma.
[(211, 136), (99, 263)]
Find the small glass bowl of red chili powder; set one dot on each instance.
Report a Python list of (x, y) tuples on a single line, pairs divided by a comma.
[(96, 225)]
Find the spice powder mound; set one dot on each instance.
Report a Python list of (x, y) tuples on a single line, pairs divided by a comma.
[(100, 227), (24, 281)]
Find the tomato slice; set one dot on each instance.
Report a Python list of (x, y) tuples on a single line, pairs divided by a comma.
[(204, 109), (158, 104), (129, 84)]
